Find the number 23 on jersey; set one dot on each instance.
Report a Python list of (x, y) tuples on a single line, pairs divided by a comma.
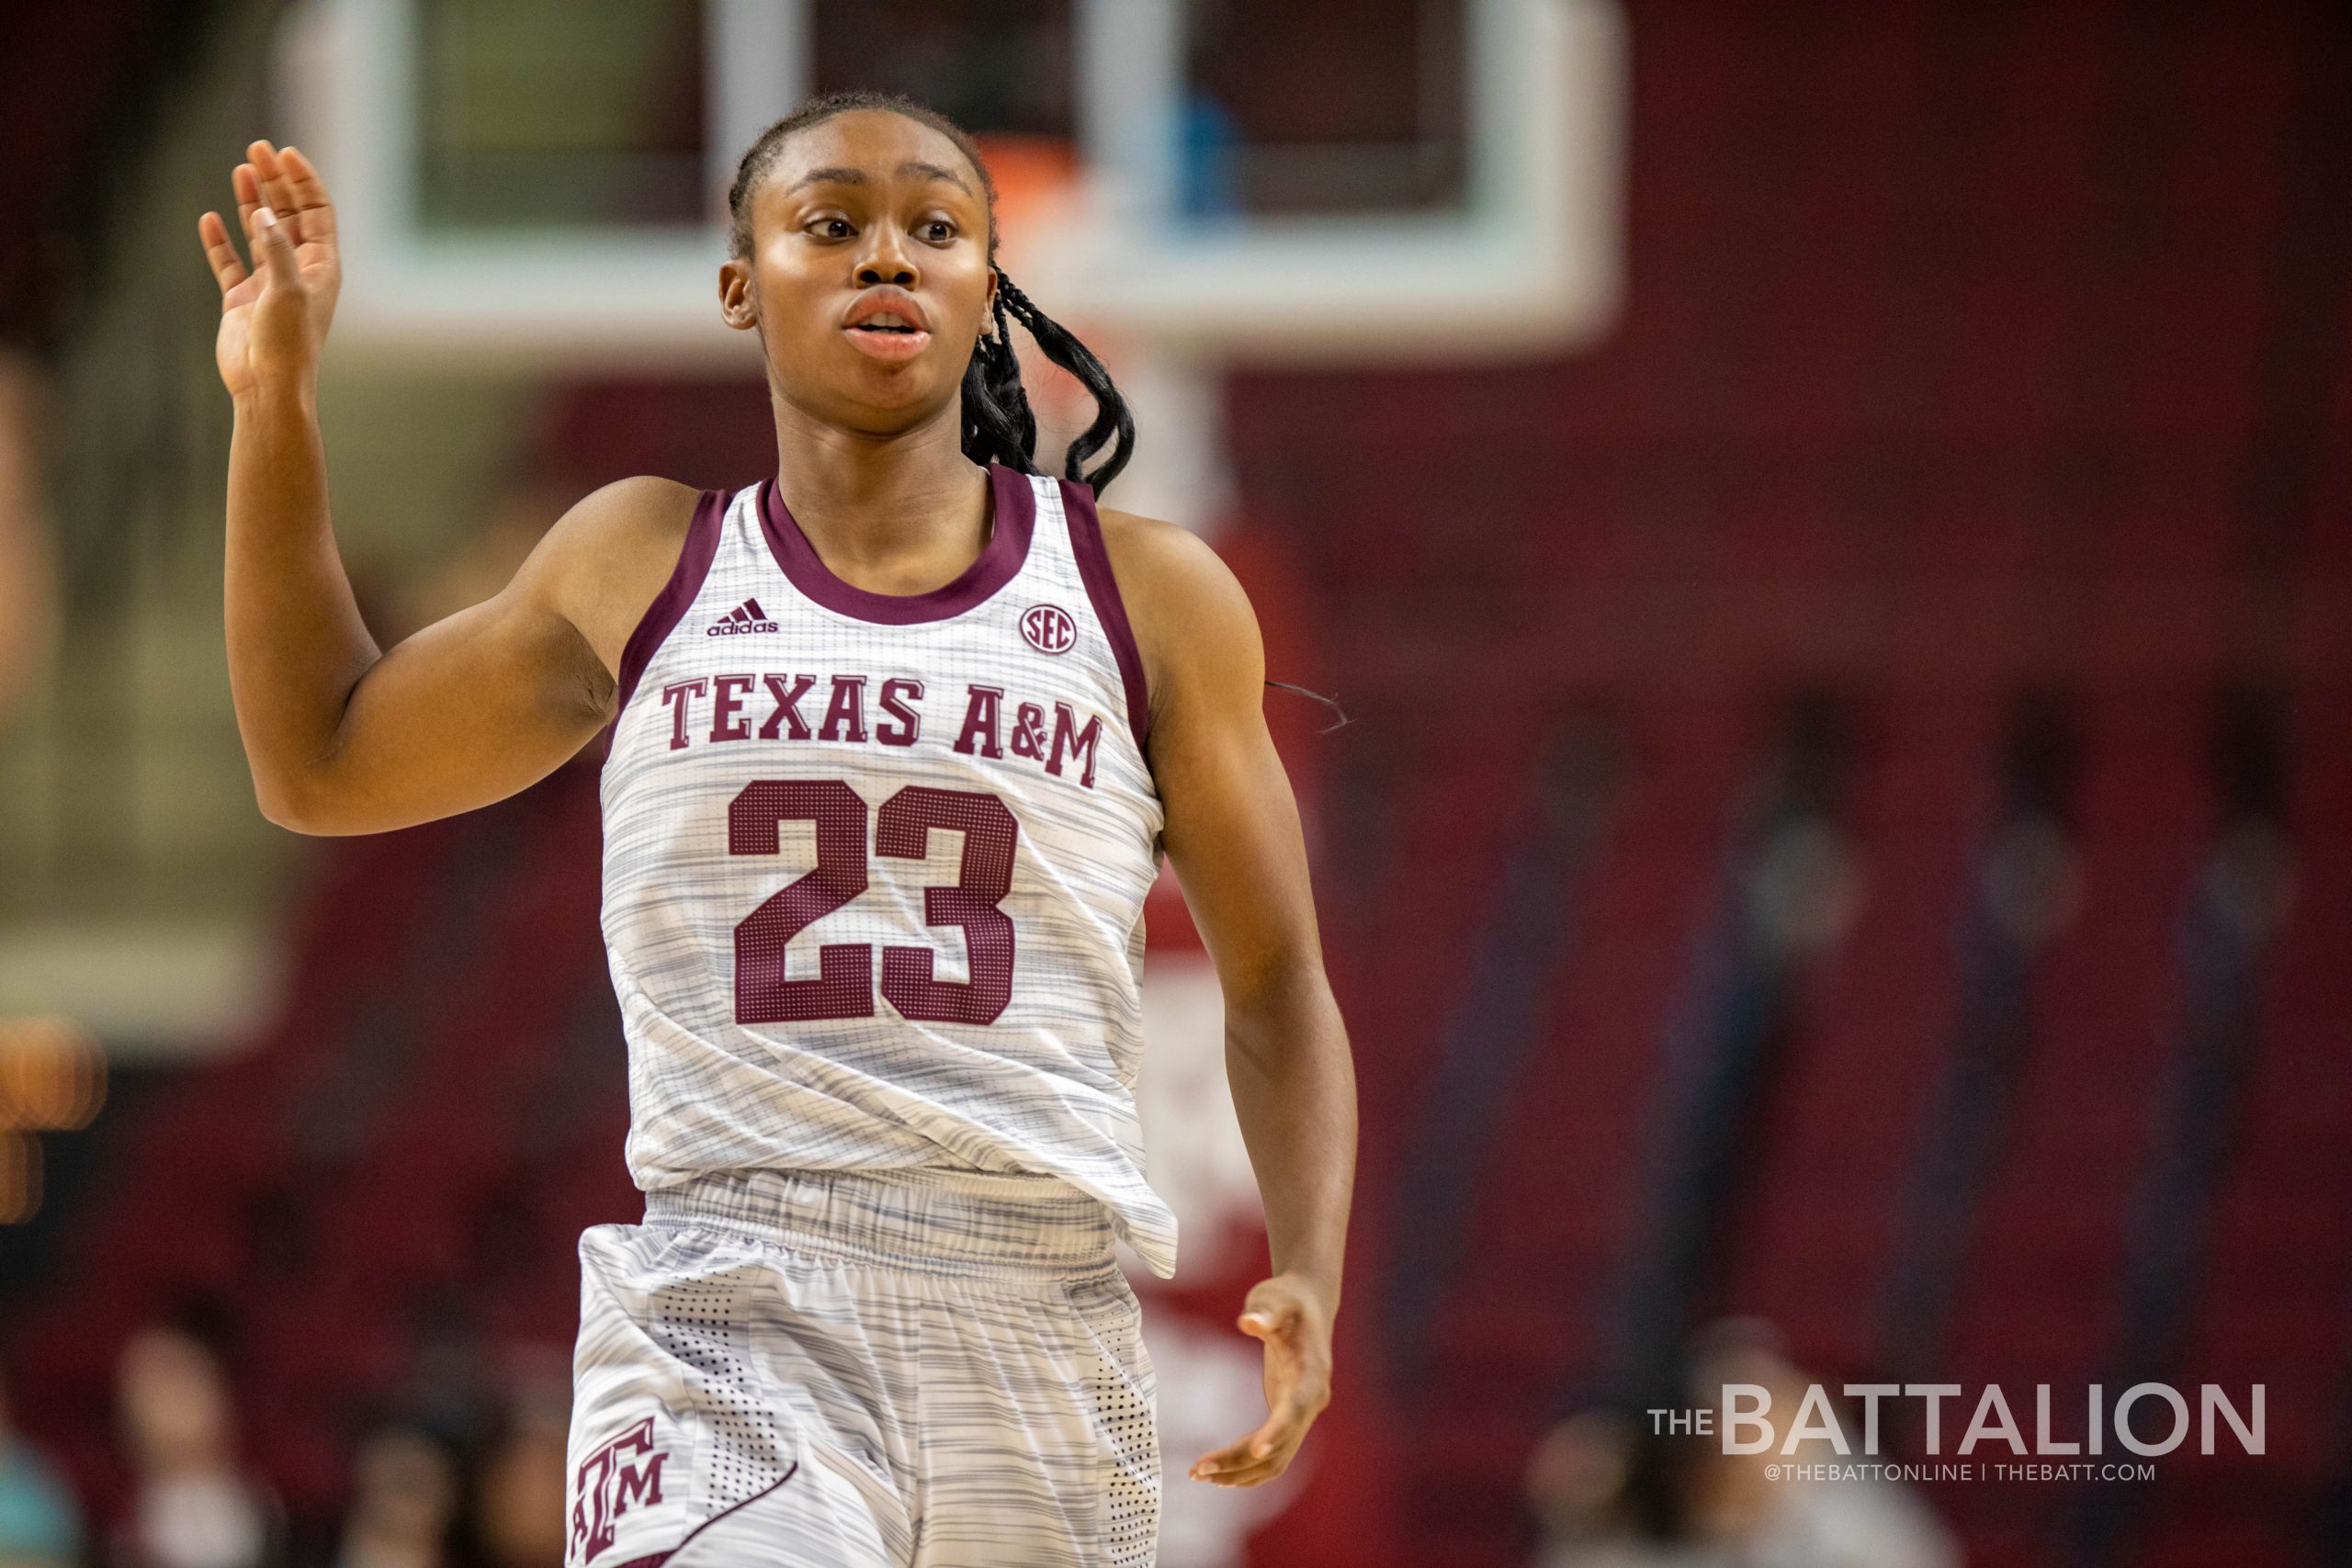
[(899, 828)]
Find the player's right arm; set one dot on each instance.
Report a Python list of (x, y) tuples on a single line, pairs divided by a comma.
[(342, 736)]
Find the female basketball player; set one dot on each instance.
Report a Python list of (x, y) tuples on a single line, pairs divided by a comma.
[(909, 696)]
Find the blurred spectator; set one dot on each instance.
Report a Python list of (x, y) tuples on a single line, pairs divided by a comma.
[(194, 1505), (39, 1525), (1603, 1486), (404, 1502), (1611, 1493), (519, 1515), (28, 614)]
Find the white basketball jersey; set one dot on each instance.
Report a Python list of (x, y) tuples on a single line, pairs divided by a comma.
[(875, 865)]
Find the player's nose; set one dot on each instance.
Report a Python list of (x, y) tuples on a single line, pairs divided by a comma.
[(883, 258)]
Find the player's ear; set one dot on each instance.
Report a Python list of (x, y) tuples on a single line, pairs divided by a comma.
[(735, 295)]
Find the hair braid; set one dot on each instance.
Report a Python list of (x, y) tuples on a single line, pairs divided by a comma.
[(1111, 417), (998, 426)]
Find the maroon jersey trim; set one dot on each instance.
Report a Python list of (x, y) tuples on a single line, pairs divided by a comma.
[(669, 606), (1102, 588), (1015, 508)]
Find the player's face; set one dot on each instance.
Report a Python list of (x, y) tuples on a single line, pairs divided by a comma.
[(868, 278)]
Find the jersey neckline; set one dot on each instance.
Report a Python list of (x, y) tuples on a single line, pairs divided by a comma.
[(1013, 514)]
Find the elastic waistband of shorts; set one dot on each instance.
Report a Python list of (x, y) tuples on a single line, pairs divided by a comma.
[(937, 1221)]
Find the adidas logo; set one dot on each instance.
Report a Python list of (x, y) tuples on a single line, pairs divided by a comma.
[(745, 618)]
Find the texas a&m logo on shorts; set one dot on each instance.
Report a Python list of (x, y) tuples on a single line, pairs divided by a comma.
[(623, 1474), (1049, 628)]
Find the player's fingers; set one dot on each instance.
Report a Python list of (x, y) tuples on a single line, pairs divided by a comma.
[(248, 189), (1233, 1456), (1269, 1309), (1249, 1472), (228, 269), (1277, 1324), (1256, 1475), (1285, 1426), (1281, 1432), (309, 195), (277, 188), (274, 250)]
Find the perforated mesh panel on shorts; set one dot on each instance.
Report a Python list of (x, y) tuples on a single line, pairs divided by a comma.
[(1131, 1502), (701, 1323)]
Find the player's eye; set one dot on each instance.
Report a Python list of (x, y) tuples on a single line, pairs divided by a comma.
[(935, 231), (828, 227)]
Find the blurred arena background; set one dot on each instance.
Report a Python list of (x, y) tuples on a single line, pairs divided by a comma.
[(1831, 525)]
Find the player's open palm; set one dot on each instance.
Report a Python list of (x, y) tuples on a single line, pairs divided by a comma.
[(274, 316), (1289, 1316)]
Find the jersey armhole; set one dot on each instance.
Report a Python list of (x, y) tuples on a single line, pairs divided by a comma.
[(669, 606), (1102, 590)]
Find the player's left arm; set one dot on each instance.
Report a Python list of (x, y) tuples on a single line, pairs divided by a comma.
[(1233, 834)]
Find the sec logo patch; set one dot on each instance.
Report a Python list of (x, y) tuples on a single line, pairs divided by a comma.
[(1049, 628)]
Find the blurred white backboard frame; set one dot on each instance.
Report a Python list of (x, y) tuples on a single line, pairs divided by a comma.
[(1531, 266)]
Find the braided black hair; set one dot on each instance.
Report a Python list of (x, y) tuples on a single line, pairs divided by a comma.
[(999, 424)]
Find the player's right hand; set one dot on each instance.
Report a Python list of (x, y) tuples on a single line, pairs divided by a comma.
[(1288, 1314), (274, 317)]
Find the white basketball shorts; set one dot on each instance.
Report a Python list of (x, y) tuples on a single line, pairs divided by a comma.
[(888, 1369)]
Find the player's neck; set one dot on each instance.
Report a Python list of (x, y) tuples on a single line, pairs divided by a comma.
[(876, 505)]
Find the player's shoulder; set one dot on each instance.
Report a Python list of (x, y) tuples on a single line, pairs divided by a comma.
[(642, 513), (1168, 570), (606, 557), (1189, 613), (620, 531)]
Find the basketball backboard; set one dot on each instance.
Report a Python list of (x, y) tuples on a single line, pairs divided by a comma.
[(1532, 94)]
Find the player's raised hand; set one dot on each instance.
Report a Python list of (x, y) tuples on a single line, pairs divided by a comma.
[(1288, 1315), (274, 316)]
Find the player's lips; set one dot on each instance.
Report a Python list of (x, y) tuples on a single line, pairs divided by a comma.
[(887, 323)]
